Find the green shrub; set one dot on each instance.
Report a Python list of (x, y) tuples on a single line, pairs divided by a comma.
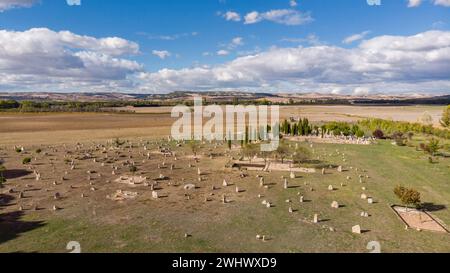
[(301, 155), (378, 134), (2, 178), (408, 196), (133, 169), (26, 160)]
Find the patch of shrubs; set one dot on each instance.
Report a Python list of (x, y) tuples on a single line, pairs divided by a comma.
[(432, 147)]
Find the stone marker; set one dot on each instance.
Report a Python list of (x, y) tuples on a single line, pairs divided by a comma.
[(330, 188), (155, 195), (286, 184), (363, 196), (335, 205), (316, 219), (356, 229), (189, 187)]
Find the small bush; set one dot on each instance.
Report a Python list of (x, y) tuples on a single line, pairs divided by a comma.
[(18, 150), (133, 169), (2, 180), (301, 155), (378, 134), (26, 160), (408, 196), (399, 138), (38, 151)]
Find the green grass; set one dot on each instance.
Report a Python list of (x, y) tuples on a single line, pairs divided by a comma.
[(233, 227)]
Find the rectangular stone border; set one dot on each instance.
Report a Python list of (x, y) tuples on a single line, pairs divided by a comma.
[(431, 216)]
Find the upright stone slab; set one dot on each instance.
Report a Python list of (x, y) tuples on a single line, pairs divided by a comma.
[(356, 229)]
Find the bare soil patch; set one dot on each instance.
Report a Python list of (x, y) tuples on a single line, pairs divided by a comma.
[(419, 220)]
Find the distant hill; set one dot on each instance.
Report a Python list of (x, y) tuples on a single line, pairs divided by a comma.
[(229, 96)]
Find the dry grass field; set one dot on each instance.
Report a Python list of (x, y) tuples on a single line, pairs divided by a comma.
[(156, 122)]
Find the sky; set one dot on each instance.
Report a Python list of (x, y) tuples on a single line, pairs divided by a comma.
[(342, 47)]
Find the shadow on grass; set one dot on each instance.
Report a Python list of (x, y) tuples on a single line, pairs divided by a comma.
[(431, 207), (11, 224), (13, 174)]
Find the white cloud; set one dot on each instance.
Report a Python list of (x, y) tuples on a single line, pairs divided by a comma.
[(74, 2), (355, 37), (361, 91), (293, 3), (232, 16), (418, 63), (40, 55), (10, 4), (414, 3), (223, 52), (162, 54), (445, 3), (238, 41), (288, 17), (171, 37), (311, 39)]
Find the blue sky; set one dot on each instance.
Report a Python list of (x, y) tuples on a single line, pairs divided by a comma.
[(215, 44)]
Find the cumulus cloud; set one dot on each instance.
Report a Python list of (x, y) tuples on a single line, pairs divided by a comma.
[(445, 3), (289, 17), (382, 64), (162, 54), (63, 58), (293, 3), (11, 4), (223, 52), (232, 16), (414, 3)]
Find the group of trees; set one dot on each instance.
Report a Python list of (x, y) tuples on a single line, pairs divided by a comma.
[(298, 154), (300, 128), (390, 127), (344, 128), (304, 128), (51, 106)]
